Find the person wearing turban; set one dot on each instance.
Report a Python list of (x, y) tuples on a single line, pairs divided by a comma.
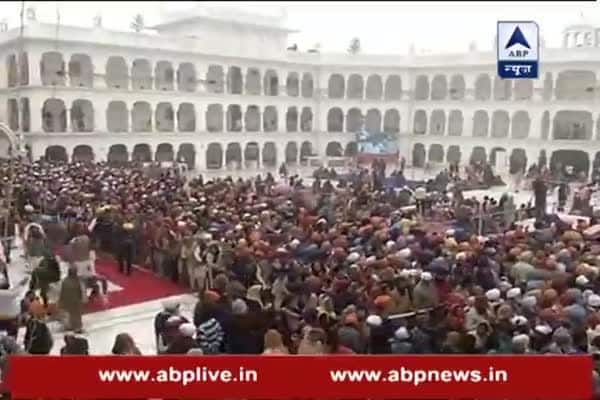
[(126, 247)]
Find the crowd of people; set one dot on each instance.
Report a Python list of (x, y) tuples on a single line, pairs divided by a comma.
[(328, 269)]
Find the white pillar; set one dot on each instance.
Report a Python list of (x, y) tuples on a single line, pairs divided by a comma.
[(99, 66), (281, 118), (34, 58), (535, 129), (259, 158), (200, 115), (100, 122), (201, 70), (280, 151), (35, 113), (68, 117), (322, 81), (470, 80), (130, 118), (200, 156), (66, 59)]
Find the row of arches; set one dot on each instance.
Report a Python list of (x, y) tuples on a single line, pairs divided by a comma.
[(79, 71), (164, 118), (569, 85), (356, 88), (80, 117), (517, 158), (217, 155), (565, 124), (354, 120), (501, 124), (435, 154)]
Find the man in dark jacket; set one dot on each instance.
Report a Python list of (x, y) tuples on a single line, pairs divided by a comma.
[(126, 248), (38, 339)]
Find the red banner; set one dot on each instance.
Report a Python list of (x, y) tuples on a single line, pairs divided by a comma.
[(282, 377)]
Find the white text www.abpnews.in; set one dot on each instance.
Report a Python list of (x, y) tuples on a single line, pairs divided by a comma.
[(418, 376), (415, 377)]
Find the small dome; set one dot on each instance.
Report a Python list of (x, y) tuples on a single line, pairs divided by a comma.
[(583, 23)]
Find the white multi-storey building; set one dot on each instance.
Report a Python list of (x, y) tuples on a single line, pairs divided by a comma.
[(211, 89)]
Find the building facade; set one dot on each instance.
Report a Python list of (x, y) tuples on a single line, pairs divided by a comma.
[(217, 90)]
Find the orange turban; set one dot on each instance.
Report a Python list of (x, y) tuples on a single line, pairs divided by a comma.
[(383, 300)]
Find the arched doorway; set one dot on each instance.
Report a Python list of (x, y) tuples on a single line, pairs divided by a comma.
[(498, 158), (164, 153), (577, 159), (291, 153), (233, 155), (454, 154), (117, 155), (187, 154), (251, 155), (57, 154), (83, 153), (214, 156), (478, 155), (82, 116), (269, 155), (305, 151), (54, 116), (436, 153), (351, 149), (334, 149), (141, 153), (518, 161), (418, 155), (117, 119)]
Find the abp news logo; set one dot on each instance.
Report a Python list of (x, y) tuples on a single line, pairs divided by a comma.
[(518, 50)]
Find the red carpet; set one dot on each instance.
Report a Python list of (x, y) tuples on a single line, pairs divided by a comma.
[(141, 286)]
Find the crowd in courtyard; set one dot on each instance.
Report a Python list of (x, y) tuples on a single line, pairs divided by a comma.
[(279, 267)]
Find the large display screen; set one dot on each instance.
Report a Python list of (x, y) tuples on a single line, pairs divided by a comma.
[(379, 144)]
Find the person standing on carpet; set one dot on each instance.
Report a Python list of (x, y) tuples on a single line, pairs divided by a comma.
[(126, 248), (71, 300), (38, 339)]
